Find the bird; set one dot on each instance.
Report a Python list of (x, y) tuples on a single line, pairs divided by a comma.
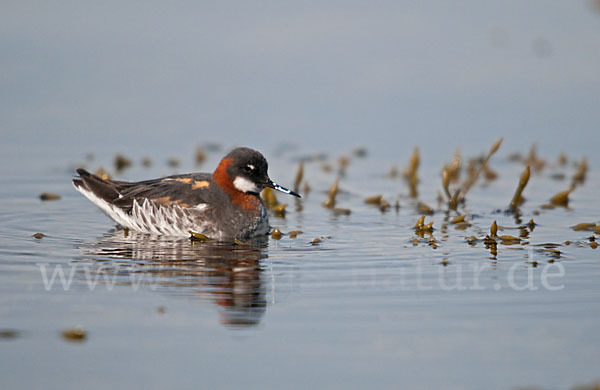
[(224, 206)]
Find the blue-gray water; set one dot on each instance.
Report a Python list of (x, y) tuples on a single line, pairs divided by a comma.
[(363, 307), (368, 305)]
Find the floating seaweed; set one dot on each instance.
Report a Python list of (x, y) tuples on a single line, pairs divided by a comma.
[(494, 229), (279, 210), (411, 174), (379, 201), (458, 219), (439, 199), (421, 227), (276, 234), (375, 199), (242, 243), (101, 173), (9, 333), (523, 232), (517, 198), (422, 208), (489, 173), (341, 211), (198, 236), (487, 240), (585, 226), (579, 177), (432, 242), (173, 162), (420, 222), (471, 240), (492, 245), (305, 189), (121, 162), (200, 156), (343, 162), (472, 179), (76, 334), (462, 225), (271, 202), (299, 176), (333, 191), (446, 186), (453, 168), (509, 240), (45, 196), (295, 233), (384, 205), (561, 199), (449, 173), (533, 160), (553, 252), (562, 159), (268, 196)]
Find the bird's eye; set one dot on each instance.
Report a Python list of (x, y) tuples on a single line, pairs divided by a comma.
[(248, 168)]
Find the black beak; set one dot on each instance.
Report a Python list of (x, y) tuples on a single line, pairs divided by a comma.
[(277, 187)]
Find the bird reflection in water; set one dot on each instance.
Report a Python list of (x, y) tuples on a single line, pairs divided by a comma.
[(227, 274)]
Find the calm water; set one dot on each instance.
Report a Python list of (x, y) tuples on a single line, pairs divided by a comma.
[(373, 304), (366, 306)]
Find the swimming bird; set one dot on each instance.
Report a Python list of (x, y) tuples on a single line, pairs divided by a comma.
[(224, 205)]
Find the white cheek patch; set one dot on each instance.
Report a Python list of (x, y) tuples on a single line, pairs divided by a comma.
[(245, 185)]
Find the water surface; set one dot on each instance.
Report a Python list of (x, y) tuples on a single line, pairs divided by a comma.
[(372, 302)]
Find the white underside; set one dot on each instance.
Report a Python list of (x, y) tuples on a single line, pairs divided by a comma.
[(149, 217)]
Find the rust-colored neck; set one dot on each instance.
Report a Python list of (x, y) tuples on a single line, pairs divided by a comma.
[(222, 178), (248, 202)]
